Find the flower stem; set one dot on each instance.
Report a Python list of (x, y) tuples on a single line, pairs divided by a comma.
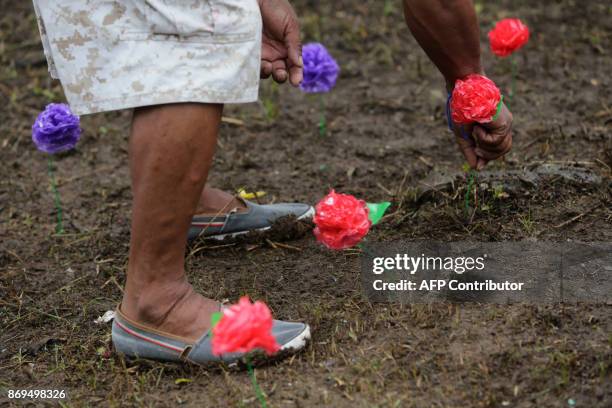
[(59, 228), (323, 120), (260, 396), (514, 74), (468, 191)]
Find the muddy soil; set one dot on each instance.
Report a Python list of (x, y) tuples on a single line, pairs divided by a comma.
[(386, 140)]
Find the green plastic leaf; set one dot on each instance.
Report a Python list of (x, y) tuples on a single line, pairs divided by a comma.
[(214, 319), (377, 211)]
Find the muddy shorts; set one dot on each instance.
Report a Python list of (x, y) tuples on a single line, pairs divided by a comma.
[(113, 55)]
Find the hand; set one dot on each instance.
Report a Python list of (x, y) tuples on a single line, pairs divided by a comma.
[(281, 49), (488, 141)]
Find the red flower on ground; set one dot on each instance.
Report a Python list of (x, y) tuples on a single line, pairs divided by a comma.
[(341, 220), (507, 36), (475, 99), (244, 327)]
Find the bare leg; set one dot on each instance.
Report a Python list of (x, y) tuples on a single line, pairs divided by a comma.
[(171, 149)]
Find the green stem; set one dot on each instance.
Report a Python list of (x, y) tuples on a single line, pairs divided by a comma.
[(468, 192), (59, 228), (362, 246), (260, 395), (322, 121), (514, 74)]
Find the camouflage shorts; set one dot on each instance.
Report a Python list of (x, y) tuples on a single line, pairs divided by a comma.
[(113, 55)]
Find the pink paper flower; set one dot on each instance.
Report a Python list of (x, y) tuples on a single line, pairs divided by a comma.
[(507, 36), (475, 99), (244, 327), (341, 220)]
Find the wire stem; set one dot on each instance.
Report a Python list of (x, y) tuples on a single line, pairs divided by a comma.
[(323, 120), (260, 396), (468, 192), (59, 227), (514, 74)]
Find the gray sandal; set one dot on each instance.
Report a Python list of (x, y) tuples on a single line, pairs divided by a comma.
[(136, 341), (257, 218)]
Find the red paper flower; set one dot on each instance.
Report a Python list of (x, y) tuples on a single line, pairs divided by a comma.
[(244, 327), (507, 36), (475, 99), (341, 220)]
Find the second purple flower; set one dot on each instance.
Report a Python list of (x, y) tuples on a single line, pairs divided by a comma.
[(320, 76), (56, 130)]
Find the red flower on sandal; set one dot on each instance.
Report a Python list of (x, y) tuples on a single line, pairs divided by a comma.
[(244, 327)]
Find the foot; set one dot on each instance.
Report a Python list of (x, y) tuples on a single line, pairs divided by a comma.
[(136, 341), (171, 322), (256, 217), (217, 202), (171, 308)]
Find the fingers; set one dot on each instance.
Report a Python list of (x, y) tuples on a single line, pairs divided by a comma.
[(481, 163), (470, 152), (467, 148), (296, 73), (489, 140), (279, 71), (493, 155), (294, 54), (281, 41), (266, 69), (488, 150), (495, 136)]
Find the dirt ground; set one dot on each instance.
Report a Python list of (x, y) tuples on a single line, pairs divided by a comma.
[(386, 140)]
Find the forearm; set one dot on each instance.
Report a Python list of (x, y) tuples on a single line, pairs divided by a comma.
[(448, 32)]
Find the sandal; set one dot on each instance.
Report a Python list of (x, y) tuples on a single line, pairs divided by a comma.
[(257, 218), (136, 341)]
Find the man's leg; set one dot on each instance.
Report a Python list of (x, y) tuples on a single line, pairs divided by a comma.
[(171, 150)]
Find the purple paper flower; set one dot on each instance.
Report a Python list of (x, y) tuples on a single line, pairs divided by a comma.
[(56, 129), (320, 69)]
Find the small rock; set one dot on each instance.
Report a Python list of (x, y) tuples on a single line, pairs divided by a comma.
[(106, 317)]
